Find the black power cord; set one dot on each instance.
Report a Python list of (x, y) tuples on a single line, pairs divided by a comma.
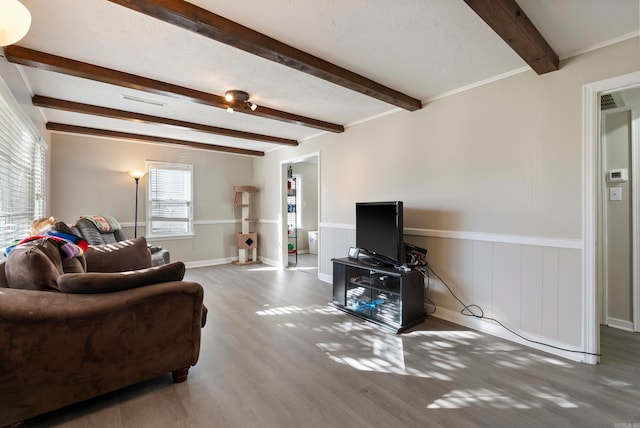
[(467, 310)]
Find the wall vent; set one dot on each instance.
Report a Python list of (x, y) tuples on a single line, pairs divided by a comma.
[(609, 101)]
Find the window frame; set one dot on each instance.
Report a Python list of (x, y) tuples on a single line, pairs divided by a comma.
[(150, 219)]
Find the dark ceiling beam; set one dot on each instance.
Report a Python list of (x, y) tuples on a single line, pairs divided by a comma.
[(73, 129), (58, 64), (215, 27), (75, 107), (511, 23)]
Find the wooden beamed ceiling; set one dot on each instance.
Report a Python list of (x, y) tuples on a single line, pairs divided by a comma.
[(201, 21), (511, 23), (58, 64), (72, 129), (58, 104), (504, 16)]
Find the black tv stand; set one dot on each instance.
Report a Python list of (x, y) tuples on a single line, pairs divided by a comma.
[(384, 295)]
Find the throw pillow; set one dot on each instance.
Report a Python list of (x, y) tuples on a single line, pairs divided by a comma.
[(96, 282), (34, 265), (120, 256)]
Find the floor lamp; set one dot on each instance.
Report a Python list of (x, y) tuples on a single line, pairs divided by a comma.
[(137, 175)]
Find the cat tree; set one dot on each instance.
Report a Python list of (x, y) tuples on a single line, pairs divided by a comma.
[(246, 241)]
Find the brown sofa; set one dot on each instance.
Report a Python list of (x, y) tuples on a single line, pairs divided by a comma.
[(59, 348)]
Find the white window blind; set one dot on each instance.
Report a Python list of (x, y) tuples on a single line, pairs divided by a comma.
[(22, 171), (169, 206)]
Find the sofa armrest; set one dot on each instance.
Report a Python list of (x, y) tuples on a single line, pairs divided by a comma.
[(59, 348)]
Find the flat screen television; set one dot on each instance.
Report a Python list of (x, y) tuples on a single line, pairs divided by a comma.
[(379, 231)]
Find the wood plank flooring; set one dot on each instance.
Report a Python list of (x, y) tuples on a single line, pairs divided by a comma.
[(274, 354)]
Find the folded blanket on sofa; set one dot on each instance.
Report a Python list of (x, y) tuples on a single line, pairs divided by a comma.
[(104, 223)]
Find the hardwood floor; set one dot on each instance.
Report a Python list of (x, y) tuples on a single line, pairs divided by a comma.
[(274, 354)]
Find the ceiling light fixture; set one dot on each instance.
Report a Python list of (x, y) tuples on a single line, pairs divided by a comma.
[(15, 21), (236, 99)]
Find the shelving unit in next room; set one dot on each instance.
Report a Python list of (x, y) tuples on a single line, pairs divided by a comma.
[(246, 240), (292, 226)]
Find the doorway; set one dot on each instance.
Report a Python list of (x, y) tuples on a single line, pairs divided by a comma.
[(619, 213), (592, 267), (301, 213)]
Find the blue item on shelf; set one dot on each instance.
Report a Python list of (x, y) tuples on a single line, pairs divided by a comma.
[(362, 305)]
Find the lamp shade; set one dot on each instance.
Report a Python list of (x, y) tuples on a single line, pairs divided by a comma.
[(137, 173), (15, 21)]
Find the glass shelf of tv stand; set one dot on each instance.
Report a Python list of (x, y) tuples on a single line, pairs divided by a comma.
[(375, 281), (374, 294), (389, 297)]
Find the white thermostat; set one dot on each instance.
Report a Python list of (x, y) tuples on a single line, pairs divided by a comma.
[(614, 175)]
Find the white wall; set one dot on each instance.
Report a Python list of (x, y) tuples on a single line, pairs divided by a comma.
[(15, 83), (491, 180), (89, 176)]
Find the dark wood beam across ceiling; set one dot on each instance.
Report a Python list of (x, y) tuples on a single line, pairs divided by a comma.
[(215, 27), (73, 129), (511, 23), (58, 64), (75, 107)]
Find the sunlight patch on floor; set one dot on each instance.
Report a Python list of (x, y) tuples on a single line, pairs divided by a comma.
[(264, 269), (448, 334), (383, 354), (560, 399), (288, 310), (549, 360), (539, 397), (462, 398), (303, 268), (615, 383)]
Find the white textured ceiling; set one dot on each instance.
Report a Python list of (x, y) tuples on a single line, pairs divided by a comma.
[(423, 48)]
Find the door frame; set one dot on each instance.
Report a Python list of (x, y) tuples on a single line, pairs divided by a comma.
[(591, 267), (635, 204), (284, 254)]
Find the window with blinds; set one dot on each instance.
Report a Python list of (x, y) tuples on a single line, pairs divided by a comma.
[(169, 205), (22, 171)]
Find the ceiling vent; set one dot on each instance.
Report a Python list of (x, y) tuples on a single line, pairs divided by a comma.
[(609, 101)]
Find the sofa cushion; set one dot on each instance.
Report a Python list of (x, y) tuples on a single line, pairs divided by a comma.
[(75, 265), (120, 256), (98, 282), (3, 275), (34, 265)]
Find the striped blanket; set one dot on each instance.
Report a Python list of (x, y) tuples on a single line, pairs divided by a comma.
[(104, 223), (70, 246)]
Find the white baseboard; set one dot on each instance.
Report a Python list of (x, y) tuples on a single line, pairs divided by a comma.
[(325, 278), (215, 262), (270, 262), (620, 324), (210, 262)]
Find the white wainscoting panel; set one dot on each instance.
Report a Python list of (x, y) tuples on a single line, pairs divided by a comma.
[(531, 289), (531, 284), (550, 281), (335, 240)]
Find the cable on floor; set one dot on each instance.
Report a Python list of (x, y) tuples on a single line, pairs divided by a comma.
[(476, 311)]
